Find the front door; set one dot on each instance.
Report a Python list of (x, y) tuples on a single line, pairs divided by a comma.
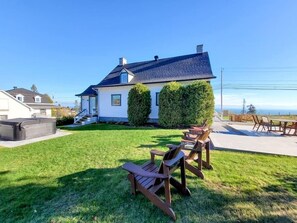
[(93, 106), (85, 103)]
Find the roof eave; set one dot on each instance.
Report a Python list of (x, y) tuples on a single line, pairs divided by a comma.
[(154, 82)]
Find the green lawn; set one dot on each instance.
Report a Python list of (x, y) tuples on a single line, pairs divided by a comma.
[(78, 178)]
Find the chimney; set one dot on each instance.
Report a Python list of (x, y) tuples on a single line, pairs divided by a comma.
[(123, 61), (199, 48), (156, 57)]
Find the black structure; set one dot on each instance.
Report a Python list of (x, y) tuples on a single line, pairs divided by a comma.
[(26, 128)]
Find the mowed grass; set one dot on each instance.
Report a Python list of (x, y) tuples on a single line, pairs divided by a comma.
[(78, 178)]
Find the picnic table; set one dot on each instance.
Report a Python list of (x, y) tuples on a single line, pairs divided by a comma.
[(285, 123)]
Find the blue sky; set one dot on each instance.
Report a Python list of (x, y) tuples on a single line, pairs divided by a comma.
[(64, 46)]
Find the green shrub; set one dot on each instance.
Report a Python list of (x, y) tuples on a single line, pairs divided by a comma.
[(139, 105), (170, 105), (65, 120), (198, 103)]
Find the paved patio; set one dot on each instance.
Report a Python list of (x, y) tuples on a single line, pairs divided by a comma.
[(241, 137), (12, 144)]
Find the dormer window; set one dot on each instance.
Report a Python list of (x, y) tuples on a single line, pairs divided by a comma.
[(20, 97), (37, 99), (124, 77)]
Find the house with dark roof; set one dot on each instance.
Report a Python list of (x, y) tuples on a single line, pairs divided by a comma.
[(109, 99), (23, 103)]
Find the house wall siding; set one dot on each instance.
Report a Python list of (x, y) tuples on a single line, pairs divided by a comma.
[(12, 108), (107, 112)]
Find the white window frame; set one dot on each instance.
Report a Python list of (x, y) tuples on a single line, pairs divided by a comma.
[(20, 97), (124, 77), (37, 99)]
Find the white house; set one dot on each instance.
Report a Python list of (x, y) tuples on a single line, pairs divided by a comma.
[(23, 103), (108, 100), (10, 107)]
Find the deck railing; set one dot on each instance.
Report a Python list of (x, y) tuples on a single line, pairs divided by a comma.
[(80, 115)]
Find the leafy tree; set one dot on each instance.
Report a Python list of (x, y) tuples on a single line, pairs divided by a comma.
[(139, 105), (76, 106), (170, 105), (34, 88), (48, 98), (251, 109)]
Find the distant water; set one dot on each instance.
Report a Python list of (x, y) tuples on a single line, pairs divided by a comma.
[(264, 111)]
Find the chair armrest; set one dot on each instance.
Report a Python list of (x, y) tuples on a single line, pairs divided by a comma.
[(172, 162), (135, 169), (188, 141), (157, 152), (172, 146)]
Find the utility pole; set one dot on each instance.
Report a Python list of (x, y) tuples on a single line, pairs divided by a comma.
[(222, 69)]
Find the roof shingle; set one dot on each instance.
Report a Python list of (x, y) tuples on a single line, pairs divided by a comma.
[(187, 67), (28, 95)]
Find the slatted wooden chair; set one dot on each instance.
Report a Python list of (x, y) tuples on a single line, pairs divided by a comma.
[(269, 125), (193, 153), (196, 129), (292, 126), (150, 178), (257, 122)]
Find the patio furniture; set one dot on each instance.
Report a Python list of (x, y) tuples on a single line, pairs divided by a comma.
[(292, 126), (150, 178), (203, 125), (284, 123), (257, 122), (193, 152), (269, 124), (195, 130)]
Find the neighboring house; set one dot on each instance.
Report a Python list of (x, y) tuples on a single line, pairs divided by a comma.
[(10, 107), (23, 103), (109, 99)]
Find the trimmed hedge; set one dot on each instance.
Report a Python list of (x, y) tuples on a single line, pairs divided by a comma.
[(139, 105), (170, 105), (66, 120), (198, 103)]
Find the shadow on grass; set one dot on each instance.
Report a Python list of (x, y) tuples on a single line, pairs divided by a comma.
[(101, 126), (4, 172), (162, 141), (104, 195)]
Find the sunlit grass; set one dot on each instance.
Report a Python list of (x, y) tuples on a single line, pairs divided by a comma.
[(78, 178)]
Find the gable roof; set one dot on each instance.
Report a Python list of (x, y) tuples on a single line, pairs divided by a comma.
[(29, 96), (88, 92), (180, 68), (13, 98)]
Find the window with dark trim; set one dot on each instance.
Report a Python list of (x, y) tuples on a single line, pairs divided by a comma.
[(115, 100), (157, 98)]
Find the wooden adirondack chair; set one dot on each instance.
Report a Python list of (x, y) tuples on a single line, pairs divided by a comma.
[(257, 122), (196, 129), (193, 153), (149, 178)]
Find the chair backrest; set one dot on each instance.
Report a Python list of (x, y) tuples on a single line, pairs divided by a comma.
[(265, 119), (197, 146), (204, 135), (256, 119), (169, 155), (203, 124)]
